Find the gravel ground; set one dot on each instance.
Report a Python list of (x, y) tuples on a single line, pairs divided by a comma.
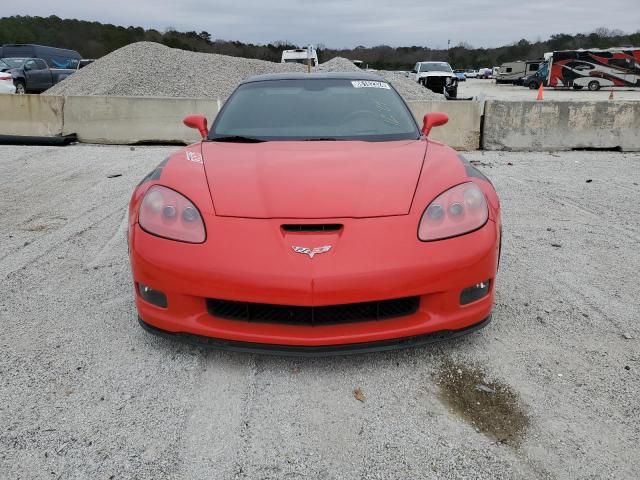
[(488, 89), (150, 69), (85, 393)]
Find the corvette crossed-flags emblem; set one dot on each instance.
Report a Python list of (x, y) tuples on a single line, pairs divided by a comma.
[(312, 252)]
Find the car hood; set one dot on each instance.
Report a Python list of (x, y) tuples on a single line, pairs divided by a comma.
[(313, 179)]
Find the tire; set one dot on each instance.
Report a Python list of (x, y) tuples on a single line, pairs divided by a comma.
[(20, 87), (533, 85), (594, 86), (577, 87)]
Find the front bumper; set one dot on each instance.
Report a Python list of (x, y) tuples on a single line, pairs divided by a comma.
[(7, 88), (315, 351), (236, 267)]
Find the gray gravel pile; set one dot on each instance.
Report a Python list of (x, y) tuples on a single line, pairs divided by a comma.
[(338, 64), (150, 69), (153, 70), (410, 90)]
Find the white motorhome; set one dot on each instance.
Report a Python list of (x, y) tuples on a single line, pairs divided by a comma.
[(511, 72), (515, 72), (300, 55)]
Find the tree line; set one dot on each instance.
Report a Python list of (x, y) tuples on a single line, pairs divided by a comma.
[(95, 39)]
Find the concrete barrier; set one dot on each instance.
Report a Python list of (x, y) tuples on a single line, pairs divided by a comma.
[(549, 126), (462, 132), (31, 115), (130, 120), (523, 126)]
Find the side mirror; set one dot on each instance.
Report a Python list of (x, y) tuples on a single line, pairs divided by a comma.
[(199, 122), (433, 119)]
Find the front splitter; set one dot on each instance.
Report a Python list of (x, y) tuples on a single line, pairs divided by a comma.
[(315, 351)]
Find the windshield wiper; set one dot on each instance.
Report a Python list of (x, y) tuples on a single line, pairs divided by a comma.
[(237, 139)]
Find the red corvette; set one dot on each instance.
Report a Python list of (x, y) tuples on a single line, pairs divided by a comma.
[(315, 217)]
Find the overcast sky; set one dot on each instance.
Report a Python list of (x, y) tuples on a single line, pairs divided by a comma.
[(345, 23)]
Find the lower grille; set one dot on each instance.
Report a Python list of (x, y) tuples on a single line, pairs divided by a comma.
[(325, 315), (436, 84)]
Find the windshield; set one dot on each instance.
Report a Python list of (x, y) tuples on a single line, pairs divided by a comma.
[(300, 60), (435, 67), (315, 109), (14, 62)]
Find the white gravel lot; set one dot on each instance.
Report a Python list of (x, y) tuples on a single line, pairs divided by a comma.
[(86, 393)]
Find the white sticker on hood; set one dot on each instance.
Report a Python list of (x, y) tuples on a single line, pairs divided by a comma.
[(370, 84)]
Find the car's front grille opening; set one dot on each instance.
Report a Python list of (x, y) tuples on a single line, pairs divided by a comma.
[(311, 227), (324, 315), (436, 83)]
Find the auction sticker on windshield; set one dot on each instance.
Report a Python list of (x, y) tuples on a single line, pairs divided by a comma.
[(370, 84)]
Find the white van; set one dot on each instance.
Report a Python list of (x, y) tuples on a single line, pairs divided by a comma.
[(300, 55)]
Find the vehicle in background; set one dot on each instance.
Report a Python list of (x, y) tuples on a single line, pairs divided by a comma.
[(538, 78), (437, 77), (471, 73), (485, 73), (33, 75), (300, 55), (595, 68), (361, 64), (494, 71), (461, 76), (511, 72), (84, 62), (55, 57), (6, 79)]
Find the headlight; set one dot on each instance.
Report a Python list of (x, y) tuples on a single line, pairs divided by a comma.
[(166, 213), (448, 80), (459, 210)]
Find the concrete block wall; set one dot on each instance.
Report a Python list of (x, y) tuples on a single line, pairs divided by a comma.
[(130, 120), (462, 132), (524, 126), (34, 115), (553, 126)]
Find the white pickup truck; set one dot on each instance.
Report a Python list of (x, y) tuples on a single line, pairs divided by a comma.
[(437, 77)]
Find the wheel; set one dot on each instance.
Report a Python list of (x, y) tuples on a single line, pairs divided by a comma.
[(533, 85), (577, 87), (593, 86), (20, 88)]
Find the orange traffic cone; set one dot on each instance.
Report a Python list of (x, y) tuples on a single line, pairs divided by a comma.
[(611, 95), (541, 92)]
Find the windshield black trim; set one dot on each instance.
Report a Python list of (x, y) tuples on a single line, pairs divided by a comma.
[(372, 138)]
